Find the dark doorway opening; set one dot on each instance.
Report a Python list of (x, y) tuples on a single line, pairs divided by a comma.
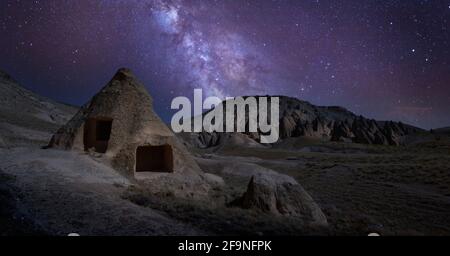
[(97, 132), (154, 159)]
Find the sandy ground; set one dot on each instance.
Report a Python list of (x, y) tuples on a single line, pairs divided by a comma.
[(57, 193)]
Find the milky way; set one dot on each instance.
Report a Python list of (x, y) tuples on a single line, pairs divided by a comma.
[(382, 59), (216, 59)]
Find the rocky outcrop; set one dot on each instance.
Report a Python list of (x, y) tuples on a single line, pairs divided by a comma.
[(280, 195), (206, 140), (216, 140), (302, 119), (120, 125)]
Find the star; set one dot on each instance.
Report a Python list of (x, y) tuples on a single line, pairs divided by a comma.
[(232, 48)]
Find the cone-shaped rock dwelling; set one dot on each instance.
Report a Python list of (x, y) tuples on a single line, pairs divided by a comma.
[(120, 123)]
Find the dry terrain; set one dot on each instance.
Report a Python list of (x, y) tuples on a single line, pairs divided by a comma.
[(392, 190)]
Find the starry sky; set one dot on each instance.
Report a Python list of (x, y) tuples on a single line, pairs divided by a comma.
[(388, 60)]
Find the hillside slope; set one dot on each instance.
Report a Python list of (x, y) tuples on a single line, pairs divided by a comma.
[(26, 117)]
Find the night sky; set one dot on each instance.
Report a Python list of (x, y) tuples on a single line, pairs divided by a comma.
[(382, 59)]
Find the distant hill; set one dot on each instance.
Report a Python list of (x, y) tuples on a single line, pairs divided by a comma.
[(444, 130), (302, 119), (27, 117)]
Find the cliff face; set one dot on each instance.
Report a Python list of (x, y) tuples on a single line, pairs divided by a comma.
[(300, 118)]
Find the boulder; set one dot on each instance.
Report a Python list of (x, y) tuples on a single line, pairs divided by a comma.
[(280, 195)]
